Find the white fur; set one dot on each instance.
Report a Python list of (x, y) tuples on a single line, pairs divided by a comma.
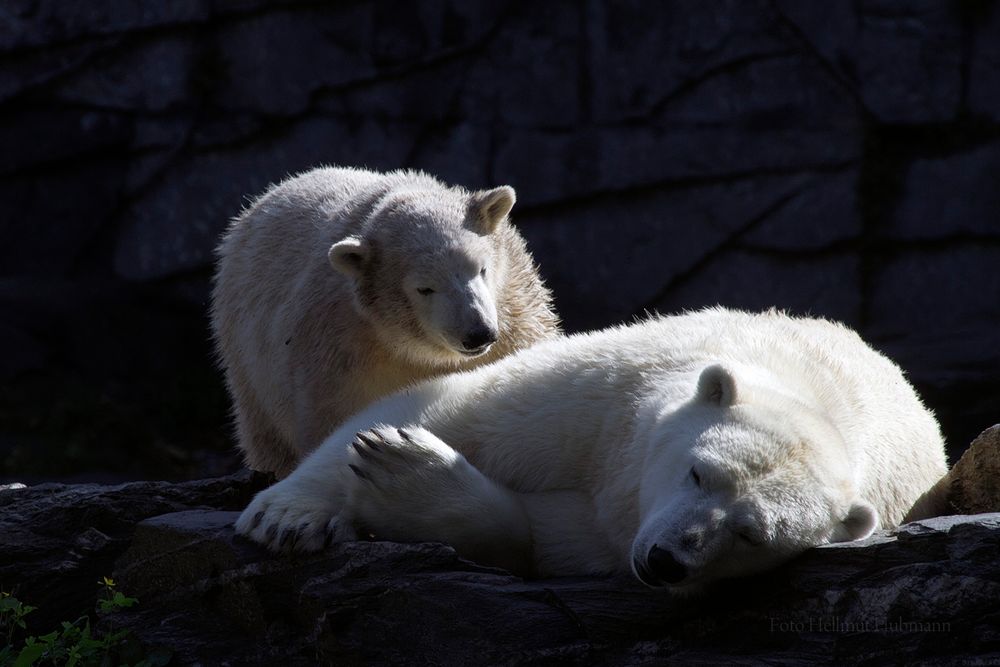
[(338, 286), (576, 456)]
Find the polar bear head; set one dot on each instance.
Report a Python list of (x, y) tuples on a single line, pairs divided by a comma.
[(740, 479), (427, 269)]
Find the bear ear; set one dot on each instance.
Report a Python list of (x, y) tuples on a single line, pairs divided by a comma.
[(349, 256), (717, 385), (489, 207), (859, 523)]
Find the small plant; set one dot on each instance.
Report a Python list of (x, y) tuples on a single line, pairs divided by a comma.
[(74, 643), (12, 613)]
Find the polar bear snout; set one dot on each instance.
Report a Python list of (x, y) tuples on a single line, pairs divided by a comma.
[(660, 567), (479, 339), (462, 314)]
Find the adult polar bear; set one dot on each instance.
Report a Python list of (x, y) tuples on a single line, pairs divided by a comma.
[(685, 449)]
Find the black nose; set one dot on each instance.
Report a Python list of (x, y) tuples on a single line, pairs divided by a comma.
[(662, 564), (479, 338)]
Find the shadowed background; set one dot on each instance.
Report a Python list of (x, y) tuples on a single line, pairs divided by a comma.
[(839, 159)]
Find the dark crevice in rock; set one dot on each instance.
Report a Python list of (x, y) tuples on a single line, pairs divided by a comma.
[(81, 57), (430, 130), (731, 242), (721, 177), (809, 49), (691, 84)]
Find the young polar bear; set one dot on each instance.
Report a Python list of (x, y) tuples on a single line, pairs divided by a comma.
[(340, 286), (683, 449)]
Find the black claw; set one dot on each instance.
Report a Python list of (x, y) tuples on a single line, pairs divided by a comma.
[(272, 532), (285, 537), (361, 451), (359, 472), (370, 441), (404, 435), (257, 519), (328, 540)]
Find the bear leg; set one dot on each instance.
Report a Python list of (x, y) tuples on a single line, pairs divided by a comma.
[(409, 486)]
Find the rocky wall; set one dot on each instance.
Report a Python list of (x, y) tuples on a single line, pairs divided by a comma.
[(840, 159)]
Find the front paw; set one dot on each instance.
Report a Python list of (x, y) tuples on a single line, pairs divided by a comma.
[(405, 479), (285, 520)]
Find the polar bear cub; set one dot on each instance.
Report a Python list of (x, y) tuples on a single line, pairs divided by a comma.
[(682, 449), (340, 286)]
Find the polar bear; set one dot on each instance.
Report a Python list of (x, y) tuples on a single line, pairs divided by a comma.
[(339, 286), (682, 449)]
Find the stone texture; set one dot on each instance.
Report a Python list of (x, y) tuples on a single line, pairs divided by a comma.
[(911, 289), (634, 270), (29, 24), (923, 593), (175, 225), (307, 50), (153, 75), (651, 58), (825, 214), (619, 159), (929, 208), (35, 138), (57, 540), (970, 486), (832, 158), (903, 59), (984, 65), (823, 286), (973, 481)]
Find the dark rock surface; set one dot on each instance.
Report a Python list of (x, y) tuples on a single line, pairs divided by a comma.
[(833, 158), (58, 540), (922, 594)]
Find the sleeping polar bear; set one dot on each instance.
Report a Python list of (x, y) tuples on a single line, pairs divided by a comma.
[(683, 449)]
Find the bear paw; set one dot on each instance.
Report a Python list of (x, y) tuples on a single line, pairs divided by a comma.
[(407, 482), (285, 520)]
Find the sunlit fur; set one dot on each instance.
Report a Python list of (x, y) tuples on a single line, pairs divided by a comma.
[(575, 456), (308, 336)]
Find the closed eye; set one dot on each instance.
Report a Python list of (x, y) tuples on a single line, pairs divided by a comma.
[(696, 477), (482, 272), (749, 538), (425, 291)]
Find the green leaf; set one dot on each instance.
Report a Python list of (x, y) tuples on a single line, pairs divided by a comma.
[(29, 654)]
